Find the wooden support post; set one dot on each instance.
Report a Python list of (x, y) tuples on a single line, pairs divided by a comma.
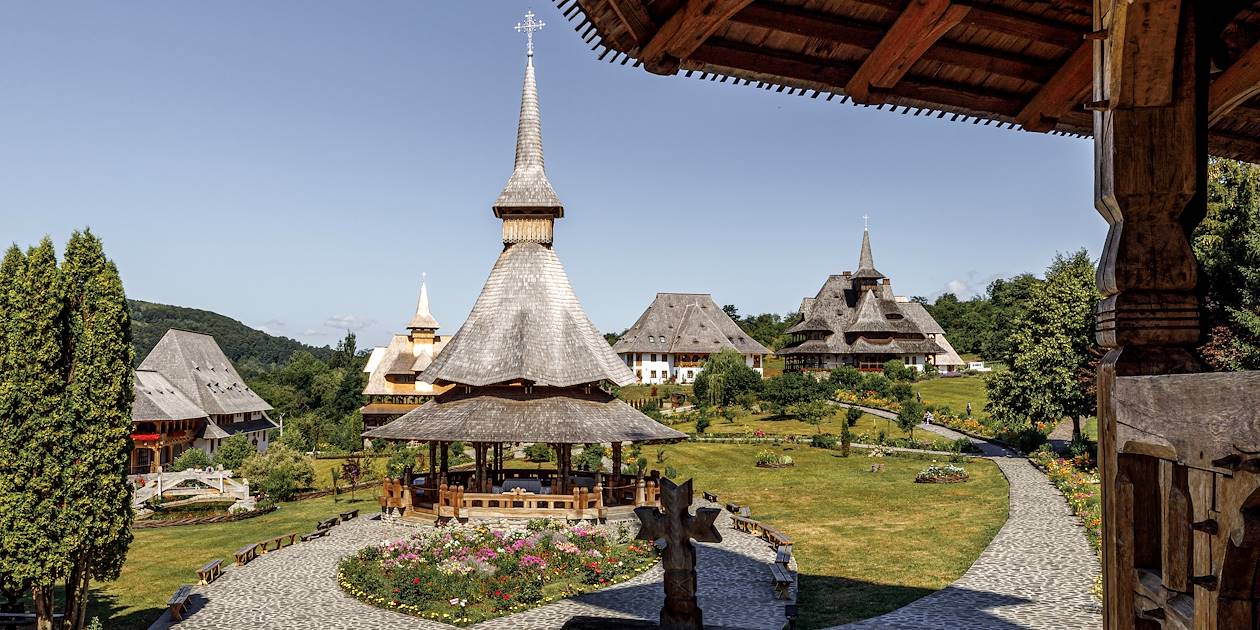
[(616, 464), (432, 463), (1150, 139)]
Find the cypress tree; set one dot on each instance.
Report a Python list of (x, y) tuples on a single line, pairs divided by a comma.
[(96, 517), (11, 270), (35, 435)]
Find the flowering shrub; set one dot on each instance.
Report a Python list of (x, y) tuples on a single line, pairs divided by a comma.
[(941, 473), (1079, 487), (771, 458), (466, 575)]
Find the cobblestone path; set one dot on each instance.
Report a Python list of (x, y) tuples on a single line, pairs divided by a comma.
[(296, 588)]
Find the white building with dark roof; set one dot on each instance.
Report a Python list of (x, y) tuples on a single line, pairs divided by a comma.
[(188, 395), (855, 319), (676, 334)]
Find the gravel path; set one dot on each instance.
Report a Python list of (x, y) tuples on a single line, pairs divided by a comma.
[(296, 588), (1036, 573)]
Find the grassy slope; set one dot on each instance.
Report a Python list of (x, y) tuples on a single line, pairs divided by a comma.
[(162, 559), (866, 543), (956, 393), (778, 425)]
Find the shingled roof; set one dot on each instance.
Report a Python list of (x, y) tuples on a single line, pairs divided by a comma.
[(510, 414), (158, 399), (528, 189), (423, 318), (686, 323), (194, 363)]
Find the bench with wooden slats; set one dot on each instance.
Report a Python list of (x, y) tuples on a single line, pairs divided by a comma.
[(709, 496), (246, 553), (210, 572), (775, 537), (345, 516), (782, 580), (783, 555), (744, 524), (177, 602)]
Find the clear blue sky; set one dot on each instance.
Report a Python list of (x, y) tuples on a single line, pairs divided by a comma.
[(297, 165)]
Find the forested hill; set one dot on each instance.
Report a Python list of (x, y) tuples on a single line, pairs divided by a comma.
[(240, 343)]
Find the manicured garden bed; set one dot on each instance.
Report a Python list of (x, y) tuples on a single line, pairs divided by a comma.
[(466, 575), (942, 473)]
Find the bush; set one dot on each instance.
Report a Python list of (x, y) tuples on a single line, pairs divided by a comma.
[(845, 377), (910, 416), (402, 459), (234, 451), (702, 423), (901, 391), (191, 458), (794, 388), (823, 440), (771, 458), (899, 372), (845, 439), (724, 378), (591, 459), (877, 383), (280, 472), (671, 472), (539, 452), (853, 415)]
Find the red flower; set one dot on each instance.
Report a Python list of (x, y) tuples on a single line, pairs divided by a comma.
[(415, 581), (497, 593), (506, 597)]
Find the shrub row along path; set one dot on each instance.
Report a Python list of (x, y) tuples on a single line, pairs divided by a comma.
[(296, 588), (1036, 573)]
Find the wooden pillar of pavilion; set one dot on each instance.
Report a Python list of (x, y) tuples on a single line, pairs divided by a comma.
[(616, 463), (1150, 137), (432, 479), (443, 452)]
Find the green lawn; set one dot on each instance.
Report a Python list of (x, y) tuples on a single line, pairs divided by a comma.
[(779, 425), (639, 392), (866, 543), (162, 559), (956, 392), (324, 467)]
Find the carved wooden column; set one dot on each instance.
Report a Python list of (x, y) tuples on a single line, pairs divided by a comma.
[(1150, 139)]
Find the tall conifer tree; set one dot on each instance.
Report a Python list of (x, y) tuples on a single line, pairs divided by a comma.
[(97, 499), (35, 434), (11, 270)]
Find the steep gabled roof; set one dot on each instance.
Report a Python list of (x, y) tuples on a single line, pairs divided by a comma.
[(158, 399), (870, 317), (683, 323), (528, 324), (194, 363)]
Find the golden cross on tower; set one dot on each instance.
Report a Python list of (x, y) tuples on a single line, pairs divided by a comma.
[(528, 27)]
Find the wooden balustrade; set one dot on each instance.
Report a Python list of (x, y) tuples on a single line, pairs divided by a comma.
[(454, 501)]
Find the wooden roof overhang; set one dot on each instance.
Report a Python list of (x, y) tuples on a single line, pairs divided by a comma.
[(1014, 63)]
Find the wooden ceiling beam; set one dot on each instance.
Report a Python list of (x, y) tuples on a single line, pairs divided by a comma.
[(1237, 85), (634, 15), (989, 17), (866, 35), (1061, 93), (685, 31), (920, 25)]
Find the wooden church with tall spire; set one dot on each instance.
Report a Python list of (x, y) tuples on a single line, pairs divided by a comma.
[(396, 381), (855, 319), (527, 365)]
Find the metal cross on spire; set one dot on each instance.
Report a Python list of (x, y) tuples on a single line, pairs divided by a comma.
[(528, 27), (866, 221)]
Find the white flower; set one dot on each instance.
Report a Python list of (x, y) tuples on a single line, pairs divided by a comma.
[(454, 601)]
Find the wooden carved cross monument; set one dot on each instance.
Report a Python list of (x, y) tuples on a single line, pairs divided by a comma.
[(675, 523)]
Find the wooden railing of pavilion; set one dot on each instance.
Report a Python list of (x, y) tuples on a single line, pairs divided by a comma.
[(429, 501)]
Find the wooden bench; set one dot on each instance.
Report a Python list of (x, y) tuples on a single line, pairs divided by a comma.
[(733, 508), (178, 600), (328, 523), (22, 620), (321, 529), (246, 553), (279, 541), (783, 555), (782, 580), (345, 516), (210, 572), (744, 524), (709, 496), (775, 537)]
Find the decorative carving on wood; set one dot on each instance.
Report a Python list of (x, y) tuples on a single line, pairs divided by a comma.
[(675, 524)]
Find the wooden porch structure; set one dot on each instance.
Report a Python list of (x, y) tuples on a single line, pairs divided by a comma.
[(1158, 84)]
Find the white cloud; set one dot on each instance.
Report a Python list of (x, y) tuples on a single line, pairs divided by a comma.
[(966, 288), (352, 323)]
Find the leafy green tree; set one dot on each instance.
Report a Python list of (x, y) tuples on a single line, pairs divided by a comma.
[(280, 472), (792, 388), (345, 354), (769, 329), (812, 412), (1009, 300), (897, 371), (1227, 245), (846, 438), (845, 377), (404, 457), (539, 452), (878, 383), (234, 451), (1053, 351), (724, 378), (852, 415), (193, 458), (910, 416), (591, 458)]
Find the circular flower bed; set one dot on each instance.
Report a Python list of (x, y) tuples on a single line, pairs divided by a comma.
[(942, 473), (466, 575), (771, 459)]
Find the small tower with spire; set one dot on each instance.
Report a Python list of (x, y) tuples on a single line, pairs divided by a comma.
[(422, 326), (528, 204)]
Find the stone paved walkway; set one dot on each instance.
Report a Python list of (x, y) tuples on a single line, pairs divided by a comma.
[(295, 588), (1035, 574)]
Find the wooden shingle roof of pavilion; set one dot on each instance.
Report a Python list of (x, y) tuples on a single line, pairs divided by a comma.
[(1014, 63)]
